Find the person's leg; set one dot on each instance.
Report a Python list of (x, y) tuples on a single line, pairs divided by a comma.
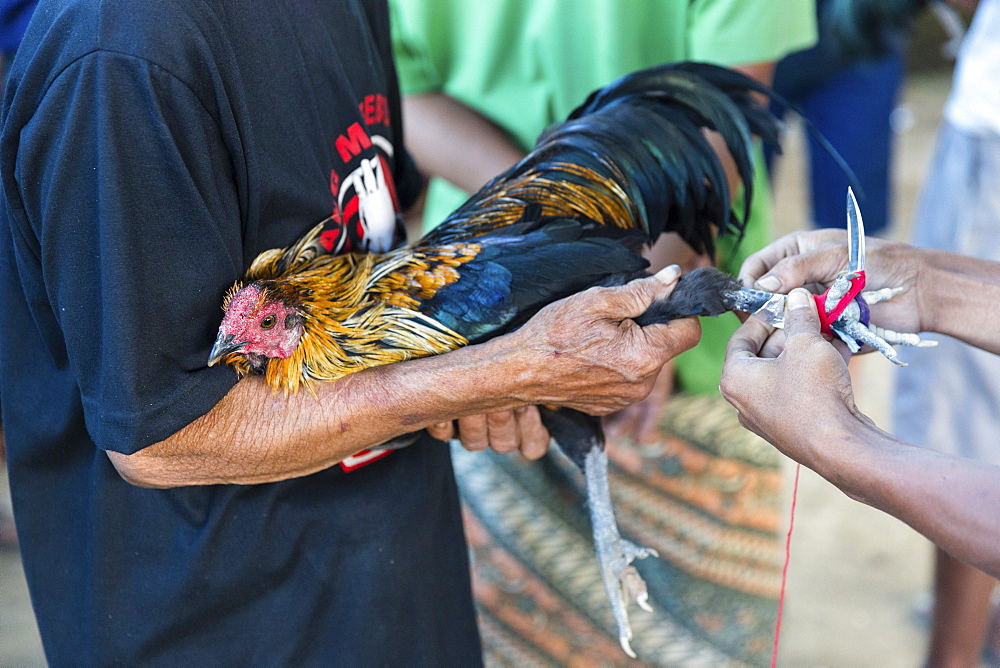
[(962, 609)]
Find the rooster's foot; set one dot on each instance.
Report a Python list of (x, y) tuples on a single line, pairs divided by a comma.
[(615, 555), (853, 328)]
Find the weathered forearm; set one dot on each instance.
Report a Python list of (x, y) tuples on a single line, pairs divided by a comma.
[(960, 297), (954, 502), (257, 435)]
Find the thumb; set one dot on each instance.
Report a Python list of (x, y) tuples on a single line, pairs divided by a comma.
[(820, 266), (801, 317), (632, 299)]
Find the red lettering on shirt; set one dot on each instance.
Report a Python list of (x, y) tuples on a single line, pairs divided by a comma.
[(351, 144), (375, 109)]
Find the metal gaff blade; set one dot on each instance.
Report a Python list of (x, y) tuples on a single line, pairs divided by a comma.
[(855, 234)]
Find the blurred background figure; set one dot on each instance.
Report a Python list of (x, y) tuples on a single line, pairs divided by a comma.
[(14, 16), (481, 81), (950, 400), (848, 86), (8, 533)]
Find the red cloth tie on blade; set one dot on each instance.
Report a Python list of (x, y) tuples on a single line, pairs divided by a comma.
[(827, 318)]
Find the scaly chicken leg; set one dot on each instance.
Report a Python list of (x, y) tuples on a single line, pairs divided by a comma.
[(615, 554), (581, 438)]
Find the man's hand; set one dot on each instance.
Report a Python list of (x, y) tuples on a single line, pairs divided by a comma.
[(639, 422), (798, 398), (806, 258), (583, 352), (801, 402), (586, 352), (506, 431)]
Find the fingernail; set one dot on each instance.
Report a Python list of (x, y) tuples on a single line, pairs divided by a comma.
[(441, 425), (669, 274), (798, 298), (769, 283)]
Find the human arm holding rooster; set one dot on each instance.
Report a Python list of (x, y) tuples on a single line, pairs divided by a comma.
[(793, 389), (583, 352)]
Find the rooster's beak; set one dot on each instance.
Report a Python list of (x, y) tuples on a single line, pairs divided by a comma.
[(224, 345)]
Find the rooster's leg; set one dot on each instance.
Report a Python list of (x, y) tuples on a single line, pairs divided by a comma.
[(615, 555), (581, 438)]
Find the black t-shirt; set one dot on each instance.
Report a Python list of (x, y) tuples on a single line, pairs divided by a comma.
[(148, 152)]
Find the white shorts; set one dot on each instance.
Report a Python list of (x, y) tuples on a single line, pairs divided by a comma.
[(948, 398)]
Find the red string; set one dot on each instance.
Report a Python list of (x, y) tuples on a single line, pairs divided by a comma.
[(827, 318), (784, 570)]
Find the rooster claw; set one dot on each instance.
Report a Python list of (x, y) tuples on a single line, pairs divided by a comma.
[(627, 585), (622, 581), (635, 586)]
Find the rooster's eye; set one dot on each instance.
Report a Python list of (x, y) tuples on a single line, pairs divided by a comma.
[(268, 322)]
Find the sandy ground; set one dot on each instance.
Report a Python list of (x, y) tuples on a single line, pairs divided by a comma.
[(855, 576)]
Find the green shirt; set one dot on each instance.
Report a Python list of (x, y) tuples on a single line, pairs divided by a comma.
[(525, 64)]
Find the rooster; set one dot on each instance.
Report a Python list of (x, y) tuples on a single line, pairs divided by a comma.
[(629, 164)]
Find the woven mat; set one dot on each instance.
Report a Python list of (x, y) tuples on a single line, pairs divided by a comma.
[(706, 496)]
